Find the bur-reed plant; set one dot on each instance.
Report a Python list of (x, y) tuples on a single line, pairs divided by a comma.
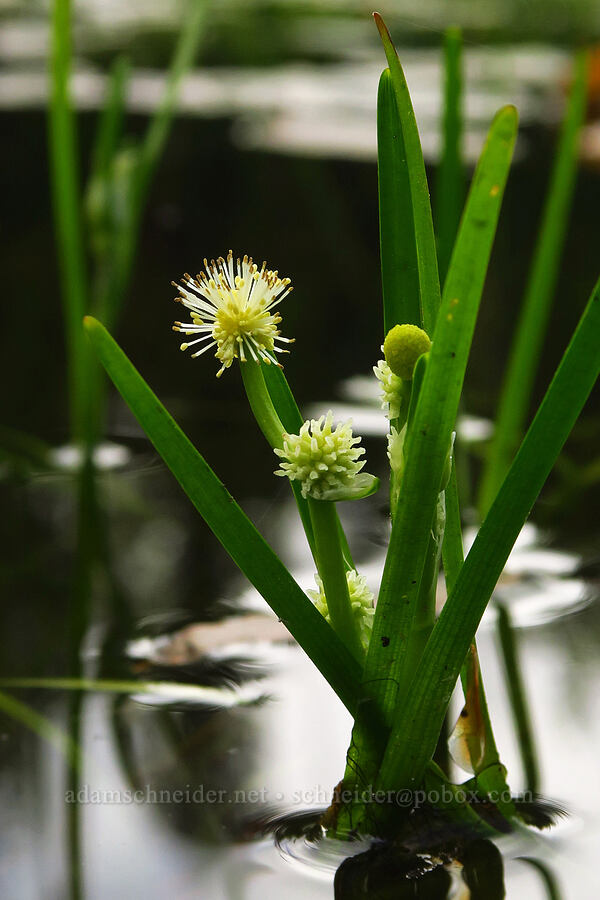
[(396, 665)]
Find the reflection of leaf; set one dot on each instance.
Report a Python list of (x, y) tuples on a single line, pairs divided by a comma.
[(193, 642), (159, 692), (24, 448), (40, 725)]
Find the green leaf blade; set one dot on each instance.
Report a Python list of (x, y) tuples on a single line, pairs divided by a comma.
[(399, 264), (429, 285), (417, 726), (229, 523), (428, 440), (385, 677), (533, 318), (450, 178)]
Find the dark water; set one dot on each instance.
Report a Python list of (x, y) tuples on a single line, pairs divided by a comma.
[(315, 219)]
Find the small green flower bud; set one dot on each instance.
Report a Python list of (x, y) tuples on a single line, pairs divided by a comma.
[(402, 347)]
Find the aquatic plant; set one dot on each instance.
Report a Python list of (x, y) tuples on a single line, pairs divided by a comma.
[(396, 667)]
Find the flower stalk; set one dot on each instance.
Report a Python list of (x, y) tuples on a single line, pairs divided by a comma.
[(261, 404), (328, 553), (332, 570)]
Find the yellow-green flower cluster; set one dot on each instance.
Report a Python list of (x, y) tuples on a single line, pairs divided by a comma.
[(321, 458), (361, 601)]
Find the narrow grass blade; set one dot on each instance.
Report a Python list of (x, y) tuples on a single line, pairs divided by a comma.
[(148, 156), (64, 177), (525, 352), (193, 28), (518, 699), (399, 265), (419, 720), (229, 523), (450, 177), (429, 286), (40, 725), (110, 124)]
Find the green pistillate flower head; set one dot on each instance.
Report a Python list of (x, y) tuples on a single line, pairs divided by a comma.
[(361, 601), (395, 450), (402, 347), (232, 308), (323, 459), (391, 389)]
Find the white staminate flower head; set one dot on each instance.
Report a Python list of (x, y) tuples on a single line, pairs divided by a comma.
[(391, 389), (323, 459), (232, 309), (361, 601)]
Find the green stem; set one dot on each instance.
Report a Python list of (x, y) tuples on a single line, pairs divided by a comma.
[(261, 404), (271, 426), (330, 563)]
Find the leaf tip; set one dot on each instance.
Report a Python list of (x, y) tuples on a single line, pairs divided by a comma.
[(91, 325), (510, 110), (508, 117), (381, 26)]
